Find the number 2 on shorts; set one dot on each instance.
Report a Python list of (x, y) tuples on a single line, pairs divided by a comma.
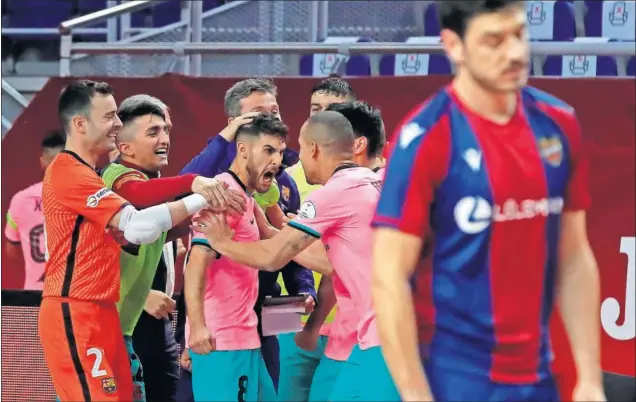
[(96, 371)]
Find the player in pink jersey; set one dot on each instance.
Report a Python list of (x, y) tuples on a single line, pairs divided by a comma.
[(339, 214), (221, 327), (25, 220)]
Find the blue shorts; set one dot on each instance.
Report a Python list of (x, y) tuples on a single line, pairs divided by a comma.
[(368, 365), (325, 379), (137, 372), (297, 368), (455, 385), (231, 375)]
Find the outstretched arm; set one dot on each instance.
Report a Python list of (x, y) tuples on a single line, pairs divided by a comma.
[(267, 255)]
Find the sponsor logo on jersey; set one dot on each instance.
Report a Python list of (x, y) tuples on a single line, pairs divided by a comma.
[(93, 200), (551, 150), (474, 214), (473, 159), (307, 210), (109, 385), (409, 133)]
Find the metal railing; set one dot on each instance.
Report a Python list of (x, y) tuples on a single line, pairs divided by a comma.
[(373, 49), (543, 48), (67, 28), (102, 15), (21, 101), (110, 31), (12, 92)]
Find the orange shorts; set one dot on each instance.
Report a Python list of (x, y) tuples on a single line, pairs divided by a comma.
[(84, 350)]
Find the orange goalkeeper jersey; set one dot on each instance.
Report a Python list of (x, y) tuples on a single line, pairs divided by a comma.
[(83, 260)]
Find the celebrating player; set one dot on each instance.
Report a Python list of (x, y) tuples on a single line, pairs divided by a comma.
[(300, 353), (340, 215), (144, 146), (221, 330), (25, 220), (245, 100), (79, 325), (495, 172)]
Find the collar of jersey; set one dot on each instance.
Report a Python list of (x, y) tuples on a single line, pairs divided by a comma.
[(148, 173), (238, 180), (76, 156), (345, 166)]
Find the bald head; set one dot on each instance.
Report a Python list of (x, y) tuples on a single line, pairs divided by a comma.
[(331, 131)]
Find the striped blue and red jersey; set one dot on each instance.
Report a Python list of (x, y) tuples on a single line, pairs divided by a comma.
[(489, 198)]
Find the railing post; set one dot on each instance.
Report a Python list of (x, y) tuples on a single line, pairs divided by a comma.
[(66, 42), (196, 22), (313, 24), (111, 24), (323, 20)]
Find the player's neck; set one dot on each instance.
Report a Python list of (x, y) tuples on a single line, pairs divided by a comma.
[(364, 161), (132, 163), (91, 158), (496, 106), (241, 173), (330, 166)]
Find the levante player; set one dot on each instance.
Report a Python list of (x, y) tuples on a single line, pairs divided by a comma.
[(495, 172)]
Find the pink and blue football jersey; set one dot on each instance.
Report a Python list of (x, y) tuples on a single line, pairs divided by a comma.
[(489, 198)]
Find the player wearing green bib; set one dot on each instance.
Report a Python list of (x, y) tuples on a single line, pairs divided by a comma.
[(144, 144)]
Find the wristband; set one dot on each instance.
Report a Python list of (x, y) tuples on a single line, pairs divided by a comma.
[(194, 203)]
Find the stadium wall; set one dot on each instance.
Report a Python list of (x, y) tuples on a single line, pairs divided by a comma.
[(606, 112)]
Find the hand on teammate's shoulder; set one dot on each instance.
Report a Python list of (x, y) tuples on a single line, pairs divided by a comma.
[(219, 197)]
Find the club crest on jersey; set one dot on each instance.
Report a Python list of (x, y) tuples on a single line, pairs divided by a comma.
[(285, 193), (93, 200), (307, 210), (551, 150), (109, 385)]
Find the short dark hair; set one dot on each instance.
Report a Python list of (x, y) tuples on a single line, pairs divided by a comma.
[(335, 86), (366, 121), (243, 89), (76, 99), (137, 106), (54, 139), (454, 15), (264, 124)]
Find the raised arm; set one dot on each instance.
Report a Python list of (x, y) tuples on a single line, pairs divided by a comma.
[(209, 161)]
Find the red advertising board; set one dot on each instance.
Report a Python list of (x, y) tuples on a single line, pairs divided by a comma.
[(605, 108)]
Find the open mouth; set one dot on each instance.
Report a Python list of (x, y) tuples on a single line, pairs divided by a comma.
[(162, 152)]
